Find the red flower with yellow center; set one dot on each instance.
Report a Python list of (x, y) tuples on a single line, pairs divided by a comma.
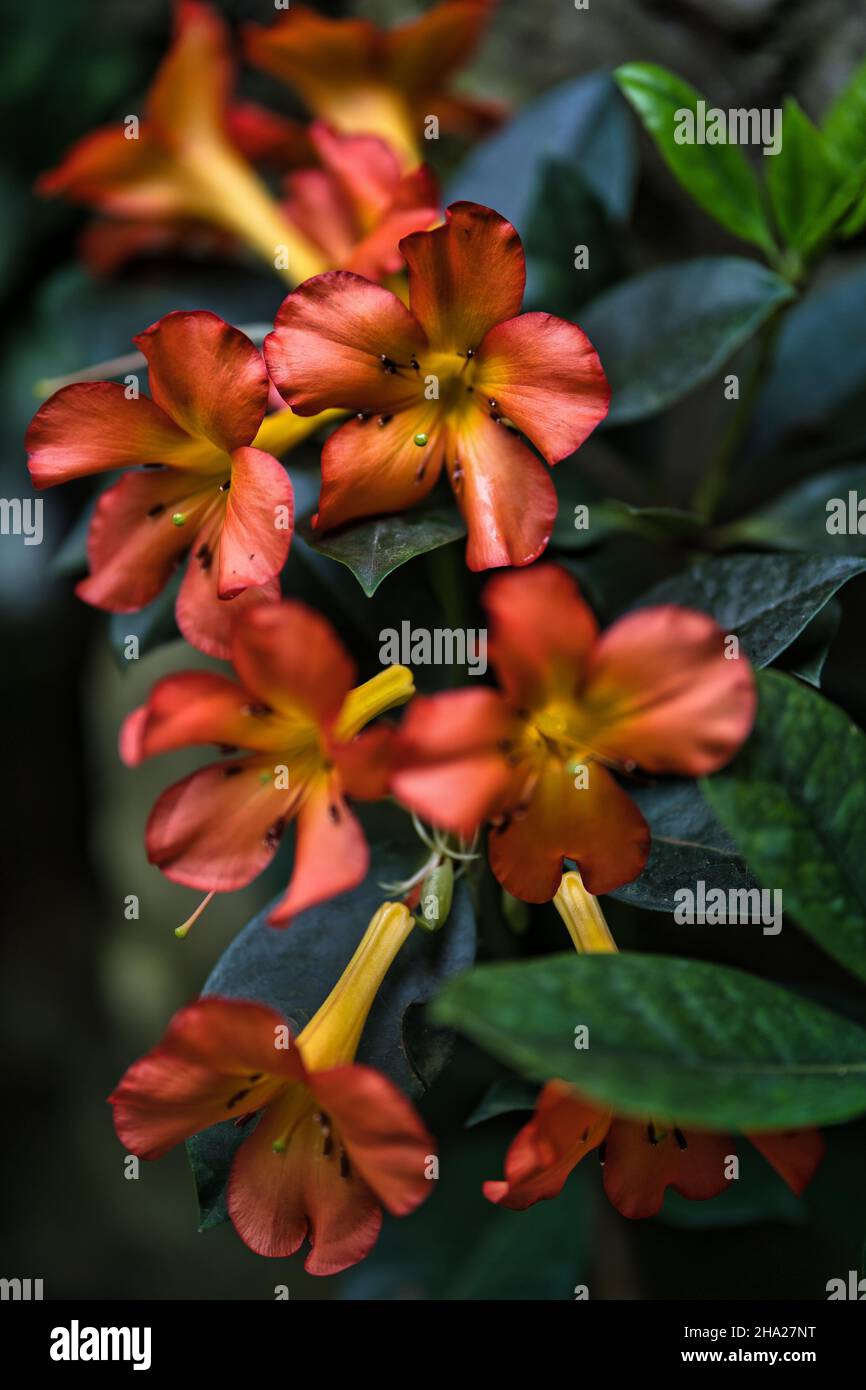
[(184, 164), (294, 711), (448, 381), (655, 690), (358, 204), (640, 1158), (362, 79), (204, 482), (334, 1142)]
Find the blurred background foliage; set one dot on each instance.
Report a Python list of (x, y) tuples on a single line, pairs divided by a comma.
[(84, 989)]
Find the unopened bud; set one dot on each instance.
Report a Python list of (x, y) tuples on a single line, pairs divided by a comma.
[(515, 912), (437, 891)]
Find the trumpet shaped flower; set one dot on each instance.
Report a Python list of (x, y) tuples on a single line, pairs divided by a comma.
[(446, 383), (204, 481), (294, 712), (183, 163), (656, 690), (641, 1159), (334, 1141), (357, 204), (364, 80)]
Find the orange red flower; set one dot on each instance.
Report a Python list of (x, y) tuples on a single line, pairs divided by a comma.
[(447, 382), (358, 204), (365, 80), (183, 166), (334, 1141), (640, 1159), (205, 481), (294, 712), (538, 757)]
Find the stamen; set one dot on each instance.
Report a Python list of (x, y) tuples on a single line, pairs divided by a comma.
[(414, 363), (602, 1152), (680, 1138), (238, 1096), (384, 420), (344, 1164), (651, 1134), (224, 487), (363, 415), (184, 927), (232, 771), (389, 365), (204, 557), (155, 510), (335, 813)]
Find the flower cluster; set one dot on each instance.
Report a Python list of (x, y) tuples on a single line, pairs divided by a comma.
[(403, 335)]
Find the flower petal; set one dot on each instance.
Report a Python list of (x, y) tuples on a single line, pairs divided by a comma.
[(637, 1171), (794, 1154), (124, 177), (258, 525), (218, 1060), (464, 277), (276, 1198), (451, 769), (196, 707), (331, 853), (598, 826), (562, 1131), (207, 376), (218, 828), (504, 493), (545, 376), (189, 96), (660, 691), (384, 1136), (206, 620), (543, 631), (91, 427), (291, 659), (133, 546), (340, 340), (371, 468), (437, 42)]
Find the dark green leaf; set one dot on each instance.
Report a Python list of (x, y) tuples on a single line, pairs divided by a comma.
[(568, 218), (459, 1247), (581, 123), (685, 1040), (507, 1094), (717, 176), (688, 845), (294, 970), (373, 549), (767, 600), (661, 334), (806, 411), (799, 518), (795, 802)]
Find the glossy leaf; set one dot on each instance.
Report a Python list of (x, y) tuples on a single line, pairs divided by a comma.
[(766, 600), (691, 1041), (661, 334), (374, 549), (795, 802), (718, 177)]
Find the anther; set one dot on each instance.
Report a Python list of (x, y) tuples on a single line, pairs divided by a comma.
[(344, 1164), (602, 1152), (389, 365), (224, 487), (680, 1138), (233, 770), (384, 420), (238, 1096), (274, 834), (155, 511), (651, 1134)]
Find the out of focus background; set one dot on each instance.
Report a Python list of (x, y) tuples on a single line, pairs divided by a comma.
[(85, 988)]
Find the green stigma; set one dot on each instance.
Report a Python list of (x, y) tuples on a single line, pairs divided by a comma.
[(420, 440), (264, 777), (178, 519)]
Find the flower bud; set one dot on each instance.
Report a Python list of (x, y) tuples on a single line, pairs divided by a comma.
[(437, 891)]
